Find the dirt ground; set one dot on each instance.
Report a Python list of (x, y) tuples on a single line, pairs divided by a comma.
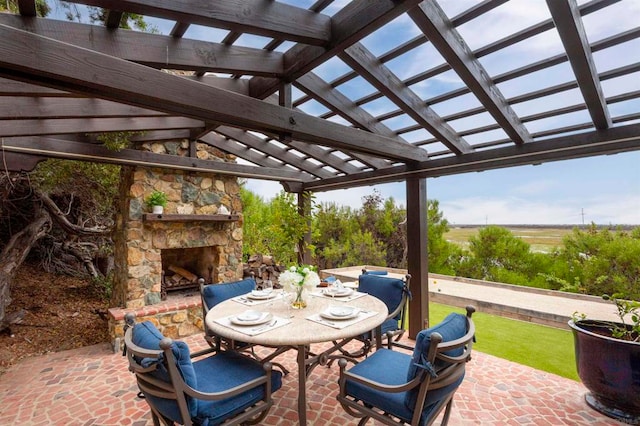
[(62, 313)]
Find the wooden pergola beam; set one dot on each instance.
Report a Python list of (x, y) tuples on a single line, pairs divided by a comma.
[(67, 67), (159, 51), (43, 127), (568, 22), (261, 17), (349, 25), (70, 150), (612, 141), (433, 22), (378, 75)]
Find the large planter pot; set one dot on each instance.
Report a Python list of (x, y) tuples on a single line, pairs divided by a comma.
[(610, 369)]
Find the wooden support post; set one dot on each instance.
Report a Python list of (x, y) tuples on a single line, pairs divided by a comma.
[(418, 265), (304, 209)]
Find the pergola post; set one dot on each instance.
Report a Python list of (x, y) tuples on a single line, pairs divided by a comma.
[(418, 264), (304, 210)]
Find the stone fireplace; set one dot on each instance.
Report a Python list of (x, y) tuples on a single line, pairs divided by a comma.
[(189, 236)]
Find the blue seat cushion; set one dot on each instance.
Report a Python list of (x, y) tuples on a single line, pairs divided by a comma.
[(390, 368), (216, 293), (452, 327), (147, 336), (389, 290), (224, 371)]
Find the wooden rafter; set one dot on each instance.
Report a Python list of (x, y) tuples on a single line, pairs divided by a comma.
[(433, 22), (58, 148), (378, 75), (355, 21), (159, 51), (569, 25), (615, 140), (261, 17)]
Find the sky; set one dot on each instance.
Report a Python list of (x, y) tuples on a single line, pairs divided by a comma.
[(602, 189)]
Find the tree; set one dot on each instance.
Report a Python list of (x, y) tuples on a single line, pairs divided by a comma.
[(274, 227), (497, 255), (599, 261)]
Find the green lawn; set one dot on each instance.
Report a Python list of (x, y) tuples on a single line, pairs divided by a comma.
[(543, 348)]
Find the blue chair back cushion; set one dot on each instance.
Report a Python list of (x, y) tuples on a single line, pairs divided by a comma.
[(375, 272), (452, 327), (389, 290), (147, 336), (217, 293)]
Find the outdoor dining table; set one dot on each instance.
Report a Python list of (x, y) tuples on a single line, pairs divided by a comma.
[(299, 328)]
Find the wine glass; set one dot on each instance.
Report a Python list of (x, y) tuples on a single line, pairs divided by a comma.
[(287, 299), (267, 286)]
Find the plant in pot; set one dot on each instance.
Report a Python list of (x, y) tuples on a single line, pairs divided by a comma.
[(157, 201), (608, 360)]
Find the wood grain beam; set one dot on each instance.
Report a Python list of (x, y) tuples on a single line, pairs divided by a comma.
[(599, 142), (113, 19), (48, 108), (12, 162), (41, 127), (27, 7), (35, 59), (56, 148), (159, 51), (350, 24), (331, 98), (273, 150), (262, 17), (568, 22), (378, 75), (433, 22)]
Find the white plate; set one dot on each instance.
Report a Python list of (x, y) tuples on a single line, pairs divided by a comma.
[(251, 318), (261, 294), (340, 312), (337, 292)]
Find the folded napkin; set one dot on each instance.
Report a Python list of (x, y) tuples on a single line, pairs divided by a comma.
[(253, 330), (252, 302), (328, 295), (340, 324)]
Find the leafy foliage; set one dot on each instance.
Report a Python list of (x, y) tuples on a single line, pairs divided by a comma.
[(42, 8), (274, 227)]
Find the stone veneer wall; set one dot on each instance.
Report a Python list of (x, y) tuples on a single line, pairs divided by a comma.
[(138, 244)]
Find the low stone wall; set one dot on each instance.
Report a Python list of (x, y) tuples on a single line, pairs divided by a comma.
[(176, 318)]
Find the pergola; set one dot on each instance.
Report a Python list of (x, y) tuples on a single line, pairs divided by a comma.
[(323, 95)]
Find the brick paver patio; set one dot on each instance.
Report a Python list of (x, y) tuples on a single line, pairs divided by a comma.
[(92, 386)]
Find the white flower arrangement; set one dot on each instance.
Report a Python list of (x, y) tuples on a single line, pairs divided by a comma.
[(299, 276)]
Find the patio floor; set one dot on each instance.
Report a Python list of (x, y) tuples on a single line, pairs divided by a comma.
[(92, 386)]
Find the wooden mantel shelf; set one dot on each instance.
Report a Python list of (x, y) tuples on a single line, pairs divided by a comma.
[(150, 217)]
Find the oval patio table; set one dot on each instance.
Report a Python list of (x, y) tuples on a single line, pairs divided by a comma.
[(301, 332)]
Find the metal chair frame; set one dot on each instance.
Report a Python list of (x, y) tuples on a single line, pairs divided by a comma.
[(177, 389), (424, 381)]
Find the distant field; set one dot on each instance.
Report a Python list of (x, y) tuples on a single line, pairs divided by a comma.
[(540, 239)]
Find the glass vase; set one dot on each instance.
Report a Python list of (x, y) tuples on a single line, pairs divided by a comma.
[(299, 302)]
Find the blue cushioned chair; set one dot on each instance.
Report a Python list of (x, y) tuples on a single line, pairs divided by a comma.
[(398, 388), (225, 386), (394, 292), (211, 295)]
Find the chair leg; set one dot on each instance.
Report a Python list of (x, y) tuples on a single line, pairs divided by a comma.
[(363, 421), (447, 413)]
